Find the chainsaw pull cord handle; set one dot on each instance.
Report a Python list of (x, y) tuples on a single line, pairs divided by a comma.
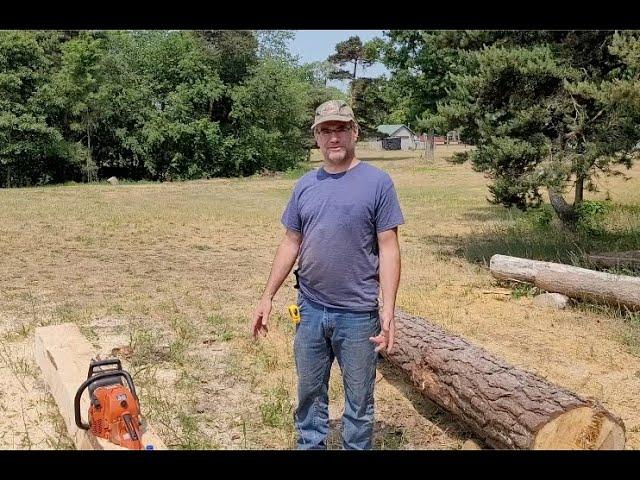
[(89, 381)]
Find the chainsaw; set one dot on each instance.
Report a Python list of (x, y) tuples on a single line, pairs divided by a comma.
[(114, 410)]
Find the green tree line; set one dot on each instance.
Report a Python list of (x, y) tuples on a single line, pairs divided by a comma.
[(156, 105)]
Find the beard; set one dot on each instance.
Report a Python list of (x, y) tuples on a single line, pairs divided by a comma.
[(339, 156)]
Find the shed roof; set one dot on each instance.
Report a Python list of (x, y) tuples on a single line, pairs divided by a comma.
[(391, 129)]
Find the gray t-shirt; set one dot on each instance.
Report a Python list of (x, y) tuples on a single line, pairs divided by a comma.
[(339, 216)]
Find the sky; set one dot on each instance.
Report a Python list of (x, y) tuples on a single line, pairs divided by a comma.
[(317, 45)]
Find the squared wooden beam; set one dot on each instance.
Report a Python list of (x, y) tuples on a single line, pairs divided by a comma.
[(63, 355)]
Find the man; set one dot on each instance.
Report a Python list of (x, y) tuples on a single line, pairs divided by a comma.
[(342, 221)]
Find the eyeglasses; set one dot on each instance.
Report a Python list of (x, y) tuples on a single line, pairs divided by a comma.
[(330, 131)]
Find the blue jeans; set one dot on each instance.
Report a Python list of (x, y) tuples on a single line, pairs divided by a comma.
[(322, 335)]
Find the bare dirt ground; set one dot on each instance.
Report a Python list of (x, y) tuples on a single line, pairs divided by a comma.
[(166, 276)]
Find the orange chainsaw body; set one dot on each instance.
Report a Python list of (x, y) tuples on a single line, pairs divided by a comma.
[(117, 416), (114, 411)]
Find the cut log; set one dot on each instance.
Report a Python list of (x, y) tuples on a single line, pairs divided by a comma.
[(575, 282), (63, 355), (508, 408), (630, 258)]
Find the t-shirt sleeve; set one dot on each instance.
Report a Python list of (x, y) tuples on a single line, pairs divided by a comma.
[(388, 213), (291, 215)]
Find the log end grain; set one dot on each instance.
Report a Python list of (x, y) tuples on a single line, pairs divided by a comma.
[(582, 428)]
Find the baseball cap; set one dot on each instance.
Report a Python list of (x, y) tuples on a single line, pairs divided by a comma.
[(333, 110)]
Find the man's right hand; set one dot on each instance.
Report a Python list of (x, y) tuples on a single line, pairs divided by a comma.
[(261, 316)]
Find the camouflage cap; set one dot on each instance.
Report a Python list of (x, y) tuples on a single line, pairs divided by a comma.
[(333, 110)]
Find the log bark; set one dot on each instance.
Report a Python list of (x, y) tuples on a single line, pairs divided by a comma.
[(506, 407), (575, 282)]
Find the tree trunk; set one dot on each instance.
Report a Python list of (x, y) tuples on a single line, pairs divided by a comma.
[(565, 212), (579, 190), (508, 408), (89, 153), (574, 282)]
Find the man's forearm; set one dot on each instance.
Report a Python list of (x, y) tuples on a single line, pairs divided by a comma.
[(389, 272), (282, 263)]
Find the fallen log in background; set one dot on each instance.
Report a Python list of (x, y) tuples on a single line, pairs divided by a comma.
[(506, 407), (630, 259), (576, 282)]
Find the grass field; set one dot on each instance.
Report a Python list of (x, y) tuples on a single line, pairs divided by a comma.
[(167, 275)]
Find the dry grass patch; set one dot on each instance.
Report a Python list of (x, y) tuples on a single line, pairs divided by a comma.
[(168, 275)]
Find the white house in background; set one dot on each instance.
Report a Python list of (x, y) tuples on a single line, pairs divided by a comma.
[(407, 137)]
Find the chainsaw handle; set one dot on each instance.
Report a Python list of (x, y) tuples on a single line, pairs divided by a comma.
[(102, 363), (89, 381)]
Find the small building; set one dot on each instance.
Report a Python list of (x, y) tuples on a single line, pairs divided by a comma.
[(402, 132), (452, 138)]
